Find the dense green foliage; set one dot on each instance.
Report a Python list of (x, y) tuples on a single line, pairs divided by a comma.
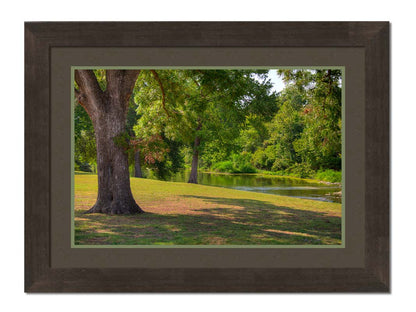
[(85, 152), (237, 164), (243, 127), (207, 104), (304, 137)]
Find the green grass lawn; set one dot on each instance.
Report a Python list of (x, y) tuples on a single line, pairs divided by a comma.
[(190, 214)]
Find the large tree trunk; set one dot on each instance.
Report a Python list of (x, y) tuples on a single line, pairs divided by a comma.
[(107, 110), (193, 178), (137, 166)]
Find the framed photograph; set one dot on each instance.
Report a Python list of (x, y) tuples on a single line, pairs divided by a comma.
[(207, 157)]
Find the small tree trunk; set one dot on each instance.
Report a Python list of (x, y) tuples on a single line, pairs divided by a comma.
[(137, 167), (193, 178)]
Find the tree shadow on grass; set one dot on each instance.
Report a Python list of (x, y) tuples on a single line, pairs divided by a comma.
[(268, 216), (230, 222)]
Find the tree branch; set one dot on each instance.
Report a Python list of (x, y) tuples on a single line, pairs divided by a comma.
[(121, 82), (89, 94), (201, 94), (79, 98), (157, 78), (130, 78)]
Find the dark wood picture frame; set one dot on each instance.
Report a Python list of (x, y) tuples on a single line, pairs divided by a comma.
[(40, 37)]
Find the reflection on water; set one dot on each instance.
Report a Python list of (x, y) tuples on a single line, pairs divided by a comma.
[(267, 184)]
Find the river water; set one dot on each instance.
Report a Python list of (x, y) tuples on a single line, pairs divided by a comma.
[(267, 184)]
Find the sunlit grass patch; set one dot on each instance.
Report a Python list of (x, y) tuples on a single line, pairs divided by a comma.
[(189, 214)]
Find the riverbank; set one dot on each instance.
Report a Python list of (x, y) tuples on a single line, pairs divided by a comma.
[(309, 180), (262, 173), (192, 214)]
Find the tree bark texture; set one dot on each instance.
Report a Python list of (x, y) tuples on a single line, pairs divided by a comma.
[(108, 110), (137, 166)]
